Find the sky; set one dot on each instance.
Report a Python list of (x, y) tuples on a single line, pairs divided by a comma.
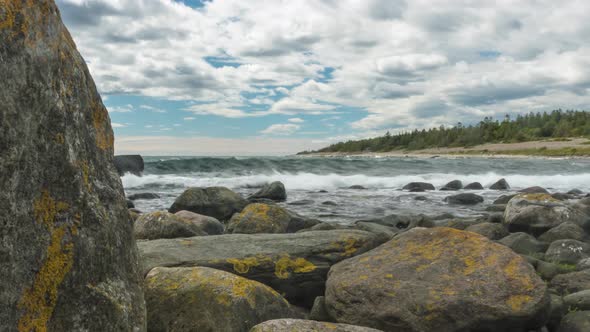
[(274, 77)]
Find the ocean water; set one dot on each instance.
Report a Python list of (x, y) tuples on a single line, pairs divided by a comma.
[(305, 177)]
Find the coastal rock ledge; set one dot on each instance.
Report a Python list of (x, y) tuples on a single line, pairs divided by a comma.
[(438, 279), (68, 260)]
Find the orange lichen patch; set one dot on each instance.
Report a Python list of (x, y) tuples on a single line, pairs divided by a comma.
[(513, 272), (517, 302), (285, 266), (59, 138), (100, 121), (38, 301), (85, 169), (243, 265), (538, 197)]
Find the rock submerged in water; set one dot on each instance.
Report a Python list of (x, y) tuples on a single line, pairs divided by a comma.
[(204, 299), (67, 252), (438, 279), (501, 184), (129, 164), (474, 186), (301, 325), (274, 191), (217, 202), (464, 199), (418, 187), (293, 264)]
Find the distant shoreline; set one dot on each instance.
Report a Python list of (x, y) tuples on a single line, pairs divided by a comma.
[(574, 148)]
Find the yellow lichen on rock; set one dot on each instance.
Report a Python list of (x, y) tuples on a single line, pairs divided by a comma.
[(284, 266), (100, 120), (538, 197), (38, 301), (243, 265), (516, 302)]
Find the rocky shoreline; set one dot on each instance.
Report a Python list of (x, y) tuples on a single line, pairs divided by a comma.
[(523, 267)]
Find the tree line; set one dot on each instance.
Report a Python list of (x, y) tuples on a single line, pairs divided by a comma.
[(529, 127)]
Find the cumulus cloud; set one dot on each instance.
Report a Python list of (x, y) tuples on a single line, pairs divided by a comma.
[(281, 129), (117, 125), (296, 120), (404, 64)]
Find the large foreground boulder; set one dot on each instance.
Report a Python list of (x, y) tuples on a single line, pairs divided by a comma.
[(293, 264), (164, 225), (537, 213), (129, 164), (301, 325), (268, 218), (217, 202), (274, 191), (68, 260), (438, 279), (203, 299)]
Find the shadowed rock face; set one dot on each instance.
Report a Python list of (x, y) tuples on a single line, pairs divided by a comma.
[(68, 260)]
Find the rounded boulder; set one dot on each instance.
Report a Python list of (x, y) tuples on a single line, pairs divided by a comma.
[(205, 299), (301, 325), (217, 202), (274, 191), (437, 279), (164, 225)]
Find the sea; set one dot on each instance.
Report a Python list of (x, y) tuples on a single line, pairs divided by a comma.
[(319, 187)]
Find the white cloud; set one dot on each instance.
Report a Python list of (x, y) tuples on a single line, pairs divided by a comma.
[(189, 118), (153, 109), (117, 125), (120, 109), (281, 129), (296, 120)]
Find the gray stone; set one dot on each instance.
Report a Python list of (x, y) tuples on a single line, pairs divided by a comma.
[(207, 224), (377, 228), (318, 311), (504, 199), (137, 196), (300, 325), (577, 321), (400, 223), (501, 184), (523, 243), (203, 299), (537, 213), (558, 310), (68, 261), (274, 191), (129, 164), (301, 202), (164, 225), (399, 286), (567, 251), (496, 208), (217, 202), (464, 199), (578, 301), (357, 187), (534, 190), (572, 282), (474, 186), (293, 264), (453, 185), (492, 231), (576, 192), (583, 264), (418, 186), (567, 230)]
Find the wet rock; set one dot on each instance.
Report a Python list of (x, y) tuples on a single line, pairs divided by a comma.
[(164, 225), (274, 191), (556, 313), (572, 282), (567, 251), (474, 186), (68, 261), (576, 192), (377, 228), (420, 198), (217, 202), (567, 230), (577, 321), (457, 223), (135, 197), (324, 226), (537, 213), (292, 264), (578, 301), (300, 325), (302, 202), (357, 187), (501, 184), (423, 279), (204, 299), (562, 196), (496, 208), (133, 215), (492, 231), (523, 243), (330, 203), (453, 185), (464, 199), (130, 204), (207, 224), (418, 186), (496, 218), (534, 190), (129, 164), (265, 218), (504, 199)]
